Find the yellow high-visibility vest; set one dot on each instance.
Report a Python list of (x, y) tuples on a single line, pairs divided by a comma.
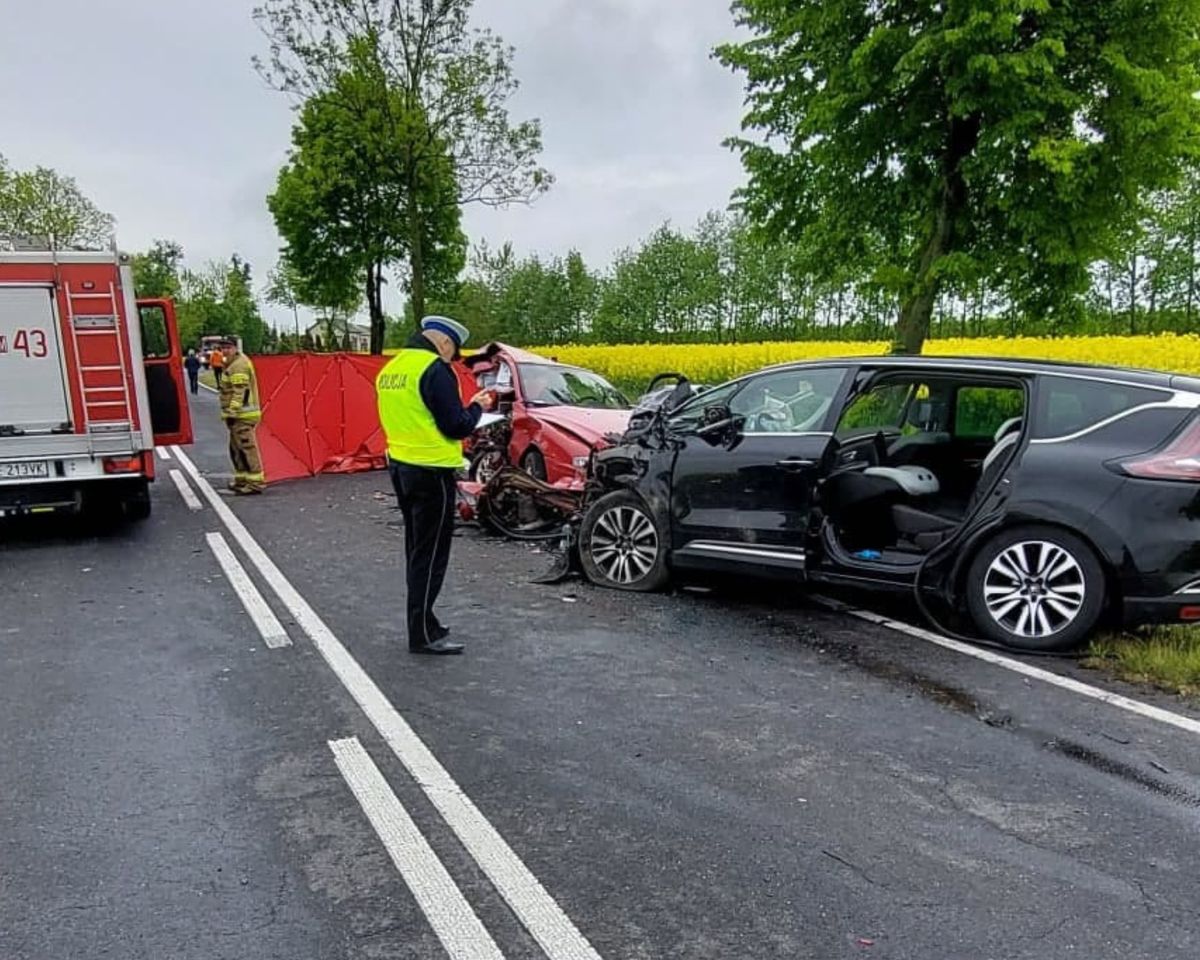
[(412, 434)]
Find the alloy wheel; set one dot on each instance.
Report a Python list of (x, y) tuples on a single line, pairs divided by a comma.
[(1034, 589), (488, 465), (624, 544)]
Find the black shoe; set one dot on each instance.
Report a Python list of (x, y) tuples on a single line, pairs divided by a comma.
[(439, 648), (438, 632)]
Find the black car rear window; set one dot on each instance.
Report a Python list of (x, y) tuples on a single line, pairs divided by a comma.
[(1066, 405)]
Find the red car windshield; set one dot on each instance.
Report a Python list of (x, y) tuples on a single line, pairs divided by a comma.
[(554, 385)]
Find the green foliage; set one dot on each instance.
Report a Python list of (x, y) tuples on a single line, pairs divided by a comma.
[(350, 203), (156, 272), (42, 203), (405, 119), (218, 299), (727, 282), (940, 145)]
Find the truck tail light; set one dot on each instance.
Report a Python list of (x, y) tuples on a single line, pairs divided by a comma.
[(1178, 460), (122, 465)]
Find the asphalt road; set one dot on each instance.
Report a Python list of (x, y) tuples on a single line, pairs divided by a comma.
[(688, 775)]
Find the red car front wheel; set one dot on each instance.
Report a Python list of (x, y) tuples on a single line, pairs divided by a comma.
[(534, 464)]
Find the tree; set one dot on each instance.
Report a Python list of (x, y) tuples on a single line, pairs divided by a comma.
[(438, 90), (344, 207), (45, 204), (1177, 250), (283, 290), (1007, 139), (156, 272), (242, 316), (219, 299)]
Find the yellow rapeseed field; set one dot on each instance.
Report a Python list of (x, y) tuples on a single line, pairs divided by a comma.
[(635, 364)]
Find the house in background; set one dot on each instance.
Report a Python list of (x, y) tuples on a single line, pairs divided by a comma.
[(332, 336)]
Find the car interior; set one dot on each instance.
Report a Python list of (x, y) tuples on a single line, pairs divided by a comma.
[(913, 456)]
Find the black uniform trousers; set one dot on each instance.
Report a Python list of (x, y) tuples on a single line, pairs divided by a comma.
[(426, 496)]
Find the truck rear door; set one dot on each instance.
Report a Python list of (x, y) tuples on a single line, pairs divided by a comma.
[(33, 389)]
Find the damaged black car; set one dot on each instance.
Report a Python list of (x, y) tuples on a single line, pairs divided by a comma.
[(1031, 501)]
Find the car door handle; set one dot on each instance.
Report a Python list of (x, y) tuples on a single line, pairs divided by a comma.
[(795, 464)]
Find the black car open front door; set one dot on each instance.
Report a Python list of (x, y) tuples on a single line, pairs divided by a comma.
[(744, 482)]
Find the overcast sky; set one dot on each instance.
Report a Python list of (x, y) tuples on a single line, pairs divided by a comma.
[(153, 107)]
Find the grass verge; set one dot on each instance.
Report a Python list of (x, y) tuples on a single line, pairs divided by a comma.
[(1164, 657), (207, 378)]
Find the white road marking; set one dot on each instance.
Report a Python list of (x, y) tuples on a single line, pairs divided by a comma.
[(163, 453), (533, 905), (1149, 711), (205, 386), (263, 616), (462, 932), (190, 498)]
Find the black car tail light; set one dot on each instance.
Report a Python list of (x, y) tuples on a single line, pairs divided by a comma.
[(1178, 460)]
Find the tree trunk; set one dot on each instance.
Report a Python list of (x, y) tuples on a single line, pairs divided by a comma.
[(416, 254), (916, 309), (1191, 292), (1153, 306), (1133, 295), (375, 306), (1112, 306)]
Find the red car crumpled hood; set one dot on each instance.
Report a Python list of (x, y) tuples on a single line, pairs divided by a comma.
[(584, 422)]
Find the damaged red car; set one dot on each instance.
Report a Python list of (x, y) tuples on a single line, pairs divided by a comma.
[(554, 415)]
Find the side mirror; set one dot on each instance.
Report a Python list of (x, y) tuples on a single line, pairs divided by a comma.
[(717, 425)]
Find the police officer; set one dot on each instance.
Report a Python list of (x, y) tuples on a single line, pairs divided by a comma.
[(425, 423), (241, 413)]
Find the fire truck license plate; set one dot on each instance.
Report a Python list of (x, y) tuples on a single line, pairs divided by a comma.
[(24, 471)]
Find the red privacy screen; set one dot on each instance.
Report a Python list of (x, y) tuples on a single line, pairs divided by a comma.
[(320, 415)]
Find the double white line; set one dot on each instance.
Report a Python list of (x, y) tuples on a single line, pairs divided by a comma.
[(537, 910)]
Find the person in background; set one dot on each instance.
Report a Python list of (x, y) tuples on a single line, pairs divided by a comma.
[(241, 413), (216, 363), (425, 423), (191, 364)]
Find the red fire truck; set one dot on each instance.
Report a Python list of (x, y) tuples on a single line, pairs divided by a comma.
[(90, 380)]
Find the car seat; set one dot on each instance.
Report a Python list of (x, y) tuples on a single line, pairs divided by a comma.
[(926, 527)]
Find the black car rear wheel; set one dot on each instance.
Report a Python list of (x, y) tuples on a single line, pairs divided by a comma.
[(621, 545), (1036, 588)]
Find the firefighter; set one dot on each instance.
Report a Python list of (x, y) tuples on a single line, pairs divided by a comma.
[(241, 413), (425, 423)]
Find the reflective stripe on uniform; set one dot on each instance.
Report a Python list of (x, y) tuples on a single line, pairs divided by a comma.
[(239, 390)]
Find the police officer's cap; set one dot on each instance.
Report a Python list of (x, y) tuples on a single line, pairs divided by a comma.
[(451, 328)]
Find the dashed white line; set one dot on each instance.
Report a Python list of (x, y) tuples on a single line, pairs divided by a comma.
[(462, 932), (273, 634), (541, 915), (163, 453), (189, 497), (1149, 711)]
